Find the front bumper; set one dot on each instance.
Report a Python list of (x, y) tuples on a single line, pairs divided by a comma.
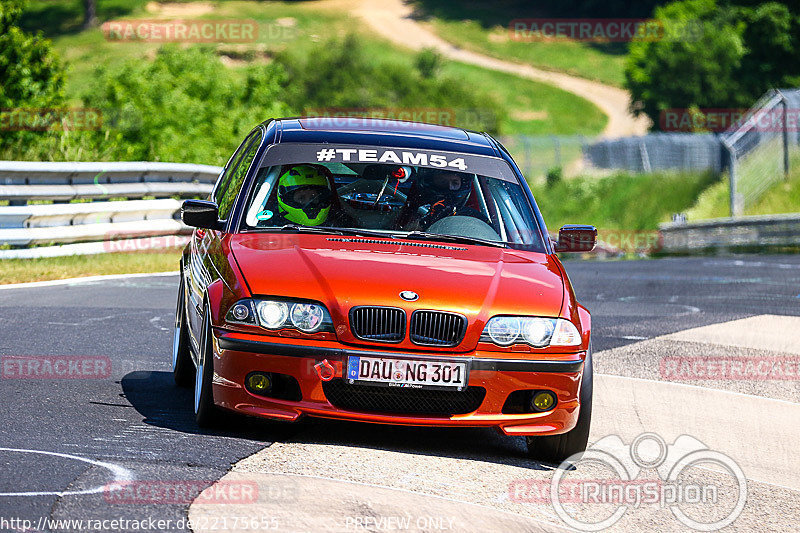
[(237, 354)]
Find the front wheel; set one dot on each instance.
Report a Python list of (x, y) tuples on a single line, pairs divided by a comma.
[(182, 365), (557, 448), (205, 412)]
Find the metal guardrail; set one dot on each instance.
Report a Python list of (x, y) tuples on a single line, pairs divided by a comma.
[(750, 232), (30, 172), (98, 226)]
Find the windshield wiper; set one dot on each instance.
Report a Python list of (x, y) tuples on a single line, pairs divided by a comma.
[(364, 233), (308, 229), (332, 231), (424, 235)]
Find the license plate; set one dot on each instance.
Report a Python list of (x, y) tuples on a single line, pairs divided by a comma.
[(413, 373)]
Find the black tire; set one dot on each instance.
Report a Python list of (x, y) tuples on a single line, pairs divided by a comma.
[(205, 412), (182, 365), (557, 448)]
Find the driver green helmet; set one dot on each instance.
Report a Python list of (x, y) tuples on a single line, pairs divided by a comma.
[(304, 195)]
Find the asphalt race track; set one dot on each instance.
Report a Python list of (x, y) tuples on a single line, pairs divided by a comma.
[(63, 440)]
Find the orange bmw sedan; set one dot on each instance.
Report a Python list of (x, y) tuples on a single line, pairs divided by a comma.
[(384, 272)]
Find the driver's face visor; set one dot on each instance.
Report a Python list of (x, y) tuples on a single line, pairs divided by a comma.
[(448, 182), (306, 197)]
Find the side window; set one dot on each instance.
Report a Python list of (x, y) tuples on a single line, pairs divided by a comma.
[(236, 180), (222, 183)]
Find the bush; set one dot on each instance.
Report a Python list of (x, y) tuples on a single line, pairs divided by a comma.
[(428, 63), (621, 201), (341, 75), (184, 106), (554, 176), (31, 74)]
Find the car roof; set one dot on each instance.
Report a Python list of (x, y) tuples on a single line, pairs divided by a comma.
[(383, 132)]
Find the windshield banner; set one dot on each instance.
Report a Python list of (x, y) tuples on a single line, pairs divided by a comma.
[(281, 154)]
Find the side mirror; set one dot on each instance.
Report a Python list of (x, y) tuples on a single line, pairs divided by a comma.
[(576, 238), (200, 214)]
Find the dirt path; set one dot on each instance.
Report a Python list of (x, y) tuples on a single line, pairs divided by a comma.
[(392, 19)]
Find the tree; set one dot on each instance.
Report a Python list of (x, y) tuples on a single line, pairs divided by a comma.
[(89, 13), (772, 39), (678, 72), (713, 56), (31, 75)]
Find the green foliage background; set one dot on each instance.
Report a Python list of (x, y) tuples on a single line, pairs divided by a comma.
[(715, 55)]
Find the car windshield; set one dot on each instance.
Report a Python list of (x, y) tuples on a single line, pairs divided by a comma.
[(396, 200)]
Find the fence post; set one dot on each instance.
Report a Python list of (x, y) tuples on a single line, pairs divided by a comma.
[(556, 152), (645, 157), (734, 203), (526, 144), (785, 136)]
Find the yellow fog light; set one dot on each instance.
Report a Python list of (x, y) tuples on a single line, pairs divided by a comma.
[(259, 383), (543, 401)]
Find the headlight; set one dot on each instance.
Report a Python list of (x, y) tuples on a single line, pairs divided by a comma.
[(535, 331), (242, 312), (275, 314), (307, 317), (271, 314), (503, 330)]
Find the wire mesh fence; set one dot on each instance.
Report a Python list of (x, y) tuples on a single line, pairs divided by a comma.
[(577, 154), (658, 151), (763, 147), (756, 148), (537, 155)]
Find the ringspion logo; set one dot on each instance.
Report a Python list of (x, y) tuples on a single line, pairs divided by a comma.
[(647, 472)]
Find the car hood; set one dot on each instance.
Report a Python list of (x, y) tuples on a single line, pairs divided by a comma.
[(343, 272)]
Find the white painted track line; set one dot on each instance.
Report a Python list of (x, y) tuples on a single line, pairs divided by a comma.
[(85, 279)]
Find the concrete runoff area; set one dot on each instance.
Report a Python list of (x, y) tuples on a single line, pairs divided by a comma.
[(760, 434)]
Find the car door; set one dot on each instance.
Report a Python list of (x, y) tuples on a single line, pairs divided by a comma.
[(205, 242)]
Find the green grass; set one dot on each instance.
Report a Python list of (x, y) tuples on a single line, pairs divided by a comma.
[(49, 268), (630, 202), (576, 58), (783, 196), (532, 108), (481, 28)]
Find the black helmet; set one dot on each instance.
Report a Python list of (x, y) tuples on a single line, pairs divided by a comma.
[(446, 188)]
